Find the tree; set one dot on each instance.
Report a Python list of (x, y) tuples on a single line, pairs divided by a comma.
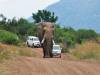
[(2, 20), (45, 16), (83, 34), (11, 25)]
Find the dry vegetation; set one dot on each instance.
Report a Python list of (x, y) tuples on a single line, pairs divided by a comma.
[(10, 51), (24, 62), (87, 50)]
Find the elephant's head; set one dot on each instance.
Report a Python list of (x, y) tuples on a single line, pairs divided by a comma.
[(45, 30)]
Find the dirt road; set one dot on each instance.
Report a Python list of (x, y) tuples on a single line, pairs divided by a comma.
[(50, 66)]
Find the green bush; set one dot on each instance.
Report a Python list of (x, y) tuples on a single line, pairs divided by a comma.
[(8, 37), (83, 34)]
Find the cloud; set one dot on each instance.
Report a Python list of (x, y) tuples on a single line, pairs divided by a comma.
[(23, 8)]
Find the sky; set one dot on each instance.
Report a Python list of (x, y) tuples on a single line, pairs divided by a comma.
[(23, 8)]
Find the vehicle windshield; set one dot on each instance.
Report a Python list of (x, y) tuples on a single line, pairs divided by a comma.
[(56, 47), (36, 39)]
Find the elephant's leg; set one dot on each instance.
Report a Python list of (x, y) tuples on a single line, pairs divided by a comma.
[(47, 48), (46, 52), (43, 52), (50, 48), (50, 52)]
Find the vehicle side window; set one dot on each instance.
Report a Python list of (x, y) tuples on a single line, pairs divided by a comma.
[(31, 39)]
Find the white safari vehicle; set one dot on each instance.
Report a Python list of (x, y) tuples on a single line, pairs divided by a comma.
[(56, 50), (33, 41)]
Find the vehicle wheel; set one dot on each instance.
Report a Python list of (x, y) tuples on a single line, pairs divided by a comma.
[(40, 47), (60, 56), (33, 46)]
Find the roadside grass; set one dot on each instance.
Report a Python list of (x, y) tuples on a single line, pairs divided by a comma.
[(2, 70), (1, 73), (87, 50), (10, 51)]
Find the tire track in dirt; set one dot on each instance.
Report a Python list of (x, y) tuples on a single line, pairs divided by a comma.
[(51, 66)]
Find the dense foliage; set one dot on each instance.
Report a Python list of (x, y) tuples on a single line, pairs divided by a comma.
[(67, 36), (20, 27), (8, 37), (45, 16)]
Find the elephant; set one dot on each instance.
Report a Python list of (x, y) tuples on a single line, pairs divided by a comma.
[(45, 34)]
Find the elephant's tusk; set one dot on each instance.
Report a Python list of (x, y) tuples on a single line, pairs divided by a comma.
[(42, 41), (53, 42)]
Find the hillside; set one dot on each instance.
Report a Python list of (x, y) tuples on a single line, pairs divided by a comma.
[(36, 65), (78, 13)]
